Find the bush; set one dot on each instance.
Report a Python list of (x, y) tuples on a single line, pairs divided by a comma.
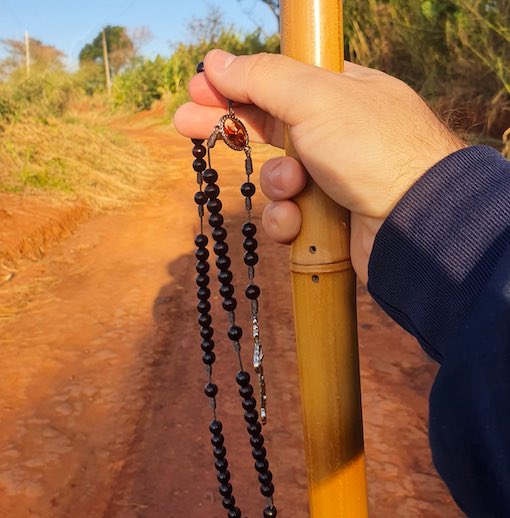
[(7, 111), (455, 52), (141, 85), (41, 95)]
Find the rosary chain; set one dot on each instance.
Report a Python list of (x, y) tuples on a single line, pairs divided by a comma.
[(207, 344), (233, 137), (227, 291), (252, 290)]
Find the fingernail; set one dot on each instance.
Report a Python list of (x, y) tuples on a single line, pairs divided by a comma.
[(275, 177), (220, 59)]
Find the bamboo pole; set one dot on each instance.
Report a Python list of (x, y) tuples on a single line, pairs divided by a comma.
[(323, 286)]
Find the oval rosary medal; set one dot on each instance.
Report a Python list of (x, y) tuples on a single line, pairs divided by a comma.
[(233, 132)]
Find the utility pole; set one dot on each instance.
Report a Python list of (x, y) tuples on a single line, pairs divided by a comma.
[(107, 65), (27, 52)]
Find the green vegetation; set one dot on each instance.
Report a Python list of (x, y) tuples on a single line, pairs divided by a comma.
[(120, 48), (149, 80), (455, 52)]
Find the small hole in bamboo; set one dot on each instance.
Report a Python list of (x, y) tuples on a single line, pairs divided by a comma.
[(312, 249), (315, 278)]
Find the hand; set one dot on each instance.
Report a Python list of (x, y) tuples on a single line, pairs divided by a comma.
[(365, 137)]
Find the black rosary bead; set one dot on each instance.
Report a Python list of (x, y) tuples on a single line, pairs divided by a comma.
[(235, 333), (209, 358), (270, 512), (248, 189), (216, 220), (257, 442), (215, 427), (229, 304), (252, 292), (265, 478), (246, 392), (203, 293), (259, 453), (211, 390), (225, 489), (225, 277), (251, 417), (254, 429), (228, 502), (210, 176), (221, 248), (267, 490), (201, 240), (226, 290), (207, 345), (219, 234), (199, 151), (202, 281), (249, 404), (212, 191), (200, 68), (197, 141), (202, 254), (199, 165), (234, 513), (207, 333), (223, 477), (217, 440), (261, 465), (249, 229), (200, 198), (202, 267), (205, 320), (221, 465), (219, 452), (243, 378), (204, 306), (250, 244), (214, 206), (223, 262), (251, 258)]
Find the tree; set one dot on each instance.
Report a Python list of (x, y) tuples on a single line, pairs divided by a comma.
[(120, 48), (274, 5), (42, 57)]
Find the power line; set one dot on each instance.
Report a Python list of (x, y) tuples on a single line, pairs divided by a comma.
[(13, 14), (128, 8)]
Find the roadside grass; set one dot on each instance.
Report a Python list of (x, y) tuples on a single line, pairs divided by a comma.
[(75, 159)]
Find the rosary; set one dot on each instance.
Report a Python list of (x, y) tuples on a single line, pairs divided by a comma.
[(233, 132)]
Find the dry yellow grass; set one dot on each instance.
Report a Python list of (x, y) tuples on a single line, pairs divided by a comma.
[(75, 159)]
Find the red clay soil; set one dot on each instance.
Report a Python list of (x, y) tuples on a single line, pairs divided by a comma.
[(101, 401), (28, 224)]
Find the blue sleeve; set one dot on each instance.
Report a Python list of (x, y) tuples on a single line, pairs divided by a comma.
[(440, 267)]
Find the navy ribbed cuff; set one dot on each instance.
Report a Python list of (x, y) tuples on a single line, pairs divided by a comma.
[(438, 247)]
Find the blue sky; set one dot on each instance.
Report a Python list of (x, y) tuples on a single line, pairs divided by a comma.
[(69, 25)]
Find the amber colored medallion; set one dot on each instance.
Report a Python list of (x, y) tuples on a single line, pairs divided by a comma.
[(233, 132)]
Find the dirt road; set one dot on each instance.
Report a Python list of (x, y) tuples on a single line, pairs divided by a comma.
[(101, 380)]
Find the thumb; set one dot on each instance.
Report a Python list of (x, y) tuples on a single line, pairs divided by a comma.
[(281, 86)]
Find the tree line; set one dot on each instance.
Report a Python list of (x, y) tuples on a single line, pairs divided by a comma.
[(454, 52)]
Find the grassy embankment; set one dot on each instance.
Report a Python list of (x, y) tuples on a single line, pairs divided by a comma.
[(75, 158)]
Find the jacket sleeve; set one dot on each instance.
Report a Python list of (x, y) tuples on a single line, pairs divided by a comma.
[(440, 267)]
